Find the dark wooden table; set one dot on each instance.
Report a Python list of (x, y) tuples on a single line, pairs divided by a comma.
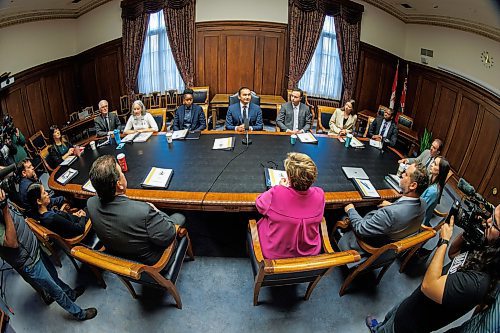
[(206, 179)]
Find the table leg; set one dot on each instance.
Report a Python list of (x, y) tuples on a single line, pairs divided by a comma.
[(214, 117)]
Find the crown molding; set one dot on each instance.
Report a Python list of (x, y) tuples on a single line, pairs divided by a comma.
[(440, 21), (49, 14)]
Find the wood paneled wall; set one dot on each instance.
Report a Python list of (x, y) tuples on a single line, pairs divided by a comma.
[(464, 116), (49, 93), (231, 54)]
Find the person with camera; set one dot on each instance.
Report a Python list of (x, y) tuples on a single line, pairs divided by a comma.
[(447, 294), (19, 247), (14, 141)]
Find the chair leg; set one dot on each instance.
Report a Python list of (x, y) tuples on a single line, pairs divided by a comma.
[(190, 248), (98, 275), (256, 291), (382, 272), (175, 294), (129, 286), (311, 287), (407, 258), (347, 282)]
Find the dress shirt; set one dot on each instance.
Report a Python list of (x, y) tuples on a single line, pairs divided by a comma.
[(387, 125), (295, 117)]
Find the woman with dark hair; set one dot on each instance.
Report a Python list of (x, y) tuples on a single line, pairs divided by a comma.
[(343, 121), (140, 120), (292, 212), (64, 224), (60, 149), (437, 179)]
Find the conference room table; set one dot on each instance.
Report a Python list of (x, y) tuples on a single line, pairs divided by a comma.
[(230, 181)]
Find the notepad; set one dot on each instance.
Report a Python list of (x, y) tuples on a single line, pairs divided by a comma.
[(273, 176), (68, 160), (366, 188), (355, 143), (224, 143), (307, 138), (67, 176), (88, 187), (181, 134), (158, 177), (130, 137), (376, 144), (143, 137)]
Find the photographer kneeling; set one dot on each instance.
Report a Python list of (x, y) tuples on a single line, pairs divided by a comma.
[(447, 294)]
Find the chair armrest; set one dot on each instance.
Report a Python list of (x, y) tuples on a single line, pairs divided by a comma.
[(327, 246), (79, 238), (342, 224), (409, 242), (301, 264), (439, 213), (252, 225)]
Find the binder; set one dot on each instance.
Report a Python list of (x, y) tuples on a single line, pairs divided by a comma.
[(393, 180), (224, 144), (274, 176), (67, 176), (365, 188), (157, 178), (307, 138)]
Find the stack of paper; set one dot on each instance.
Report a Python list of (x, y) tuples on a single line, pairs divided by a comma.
[(393, 180), (143, 137), (68, 160), (307, 138), (158, 177), (88, 187), (366, 188), (130, 137), (355, 143), (273, 176), (224, 143)]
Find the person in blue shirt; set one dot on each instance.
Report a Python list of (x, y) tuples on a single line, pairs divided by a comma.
[(189, 116), (437, 179)]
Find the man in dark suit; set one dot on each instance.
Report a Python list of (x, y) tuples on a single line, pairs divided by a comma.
[(189, 116), (384, 128), (391, 222), (294, 116), (106, 122), (236, 113), (130, 229)]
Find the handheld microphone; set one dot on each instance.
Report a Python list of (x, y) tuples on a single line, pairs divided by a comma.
[(246, 140)]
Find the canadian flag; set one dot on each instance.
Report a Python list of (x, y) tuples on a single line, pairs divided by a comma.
[(394, 86), (403, 94)]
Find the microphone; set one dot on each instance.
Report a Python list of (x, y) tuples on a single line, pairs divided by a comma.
[(465, 187), (246, 140)]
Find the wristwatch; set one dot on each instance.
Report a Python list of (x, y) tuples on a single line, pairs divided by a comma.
[(443, 241)]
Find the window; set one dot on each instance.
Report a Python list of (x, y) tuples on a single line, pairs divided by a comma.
[(158, 70), (323, 77)]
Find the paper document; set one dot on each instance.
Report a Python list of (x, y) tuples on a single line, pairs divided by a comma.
[(143, 137), (130, 137), (355, 143), (366, 188), (223, 143), (307, 137), (273, 176), (88, 187), (376, 144), (179, 134), (67, 176), (158, 177), (68, 160)]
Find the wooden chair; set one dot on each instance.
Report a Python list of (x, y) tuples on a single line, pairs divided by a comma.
[(205, 111), (278, 109), (255, 99), (201, 95), (405, 121), (277, 272), (39, 141), (368, 124), (383, 257), (381, 110), (124, 104), (160, 116), (160, 275), (44, 154), (73, 117), (324, 115), (154, 100), (171, 97)]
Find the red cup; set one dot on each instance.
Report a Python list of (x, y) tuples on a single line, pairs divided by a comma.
[(122, 162)]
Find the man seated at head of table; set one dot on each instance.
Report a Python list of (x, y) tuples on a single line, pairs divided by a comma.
[(140, 120), (292, 212), (238, 112), (342, 121), (384, 128), (131, 229), (107, 121), (427, 156), (189, 116), (391, 222), (294, 117)]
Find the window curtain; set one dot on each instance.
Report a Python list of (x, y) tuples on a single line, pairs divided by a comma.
[(305, 22), (348, 28), (179, 20)]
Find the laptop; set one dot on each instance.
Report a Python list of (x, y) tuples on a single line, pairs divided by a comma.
[(352, 172)]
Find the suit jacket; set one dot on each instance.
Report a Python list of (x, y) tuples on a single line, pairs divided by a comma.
[(285, 117), (392, 133), (131, 229), (100, 124), (422, 159), (234, 118), (385, 225), (337, 122), (198, 122)]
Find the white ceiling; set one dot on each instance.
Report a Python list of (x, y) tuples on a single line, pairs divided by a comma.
[(477, 16)]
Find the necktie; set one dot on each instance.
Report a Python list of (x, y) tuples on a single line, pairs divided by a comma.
[(245, 116), (106, 121), (382, 132), (428, 163)]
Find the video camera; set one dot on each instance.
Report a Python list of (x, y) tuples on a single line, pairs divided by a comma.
[(470, 213), (7, 183)]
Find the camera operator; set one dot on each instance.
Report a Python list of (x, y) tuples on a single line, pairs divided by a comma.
[(14, 142), (447, 294), (19, 247)]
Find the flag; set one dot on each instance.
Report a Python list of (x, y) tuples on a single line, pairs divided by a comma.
[(394, 86), (403, 93)]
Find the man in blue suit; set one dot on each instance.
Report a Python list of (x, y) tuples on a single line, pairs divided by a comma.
[(236, 113), (189, 116)]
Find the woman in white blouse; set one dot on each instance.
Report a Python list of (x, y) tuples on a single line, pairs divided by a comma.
[(140, 120), (342, 121)]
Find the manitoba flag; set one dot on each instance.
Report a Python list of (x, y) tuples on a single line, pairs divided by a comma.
[(394, 86), (403, 94)]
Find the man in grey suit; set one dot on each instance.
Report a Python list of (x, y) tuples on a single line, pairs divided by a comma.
[(130, 229), (391, 222), (106, 122), (294, 116), (427, 156)]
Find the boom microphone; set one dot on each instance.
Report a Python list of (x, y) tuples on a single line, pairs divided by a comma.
[(5, 171), (246, 140)]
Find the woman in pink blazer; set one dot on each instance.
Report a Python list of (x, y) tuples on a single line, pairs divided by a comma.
[(292, 212)]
